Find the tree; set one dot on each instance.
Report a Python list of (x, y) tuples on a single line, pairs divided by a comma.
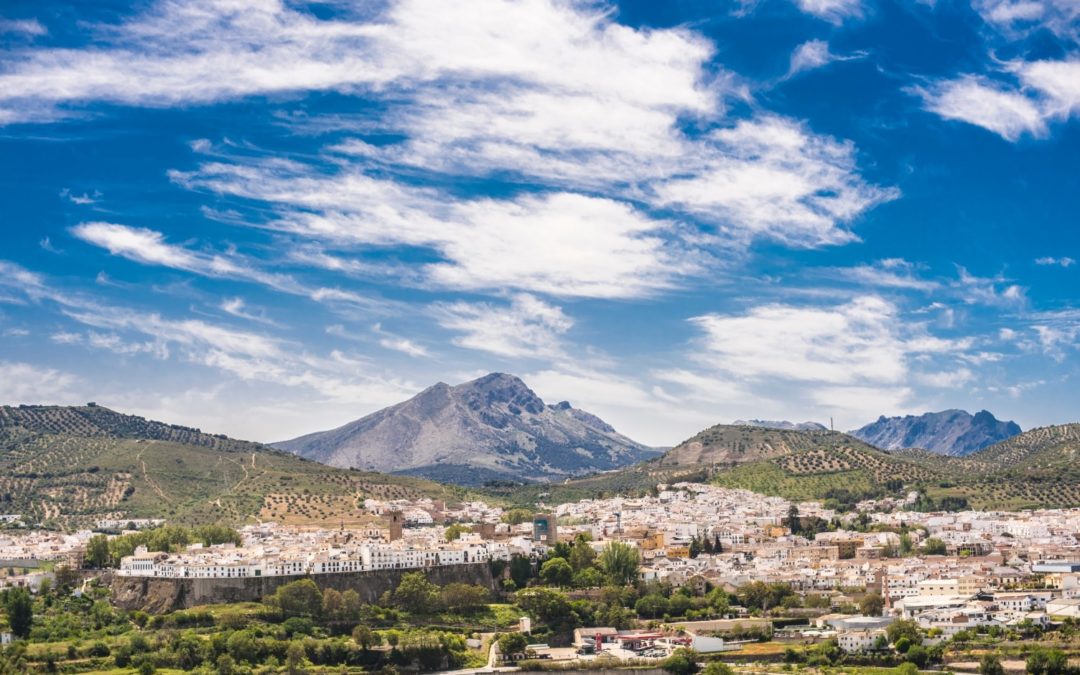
[(350, 605), (512, 643), (547, 604), (458, 597), (682, 661), (97, 552), (365, 637), (1047, 662), (454, 532), (242, 646), (226, 665), (416, 594), (918, 655), (652, 606), (299, 598), (590, 577), (520, 570), (934, 546), (872, 605), (904, 628), (793, 522), (556, 572), (582, 555), (20, 611), (332, 604), (762, 595), (620, 562), (294, 658), (990, 664)]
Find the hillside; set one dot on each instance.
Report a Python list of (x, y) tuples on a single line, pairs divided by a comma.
[(492, 428), (949, 432), (74, 465), (1035, 469)]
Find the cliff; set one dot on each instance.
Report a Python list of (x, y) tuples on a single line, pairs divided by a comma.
[(160, 595)]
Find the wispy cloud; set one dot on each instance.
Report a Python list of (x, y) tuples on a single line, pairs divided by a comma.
[(1063, 261), (527, 327), (27, 383), (31, 27), (560, 93), (852, 358), (814, 54), (246, 355), (1043, 92), (149, 247), (833, 11)]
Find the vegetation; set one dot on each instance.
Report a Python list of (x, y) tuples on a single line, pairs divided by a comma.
[(73, 466)]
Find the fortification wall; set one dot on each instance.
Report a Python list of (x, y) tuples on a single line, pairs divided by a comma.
[(158, 595)]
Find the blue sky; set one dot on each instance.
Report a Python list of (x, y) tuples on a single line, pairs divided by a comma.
[(268, 217)]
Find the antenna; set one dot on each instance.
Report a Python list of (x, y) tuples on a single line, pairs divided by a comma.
[(831, 427)]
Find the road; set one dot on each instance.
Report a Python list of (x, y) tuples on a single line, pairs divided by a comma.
[(489, 668)]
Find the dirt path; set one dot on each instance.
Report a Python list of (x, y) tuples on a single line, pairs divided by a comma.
[(150, 481)]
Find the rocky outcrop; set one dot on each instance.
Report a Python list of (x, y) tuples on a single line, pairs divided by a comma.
[(158, 595), (492, 428), (781, 424), (949, 432)]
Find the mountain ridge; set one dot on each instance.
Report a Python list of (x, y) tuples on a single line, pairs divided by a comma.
[(781, 424), (492, 428), (948, 432), (70, 466)]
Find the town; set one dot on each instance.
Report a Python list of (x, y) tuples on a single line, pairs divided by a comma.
[(716, 567)]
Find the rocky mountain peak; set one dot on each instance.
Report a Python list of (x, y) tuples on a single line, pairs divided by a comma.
[(493, 427), (948, 432)]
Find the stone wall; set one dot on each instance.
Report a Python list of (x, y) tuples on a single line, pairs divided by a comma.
[(158, 595)]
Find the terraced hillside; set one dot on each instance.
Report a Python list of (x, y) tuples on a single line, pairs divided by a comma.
[(74, 465), (798, 464), (1038, 468)]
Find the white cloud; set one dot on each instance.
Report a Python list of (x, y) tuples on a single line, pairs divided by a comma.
[(814, 54), (946, 379), (238, 307), (977, 101), (772, 177), (1016, 18), (833, 11), (31, 27), (851, 343), (1058, 83), (525, 328), (1063, 261), (245, 355), (993, 291), (1046, 91), (85, 199), (888, 273), (557, 91), (810, 55), (26, 383), (557, 243), (397, 343), (848, 359), (150, 248)]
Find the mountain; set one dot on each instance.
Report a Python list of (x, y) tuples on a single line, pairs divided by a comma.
[(492, 428), (949, 432), (781, 424), (72, 466)]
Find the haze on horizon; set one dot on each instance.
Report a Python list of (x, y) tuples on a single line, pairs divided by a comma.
[(270, 220)]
